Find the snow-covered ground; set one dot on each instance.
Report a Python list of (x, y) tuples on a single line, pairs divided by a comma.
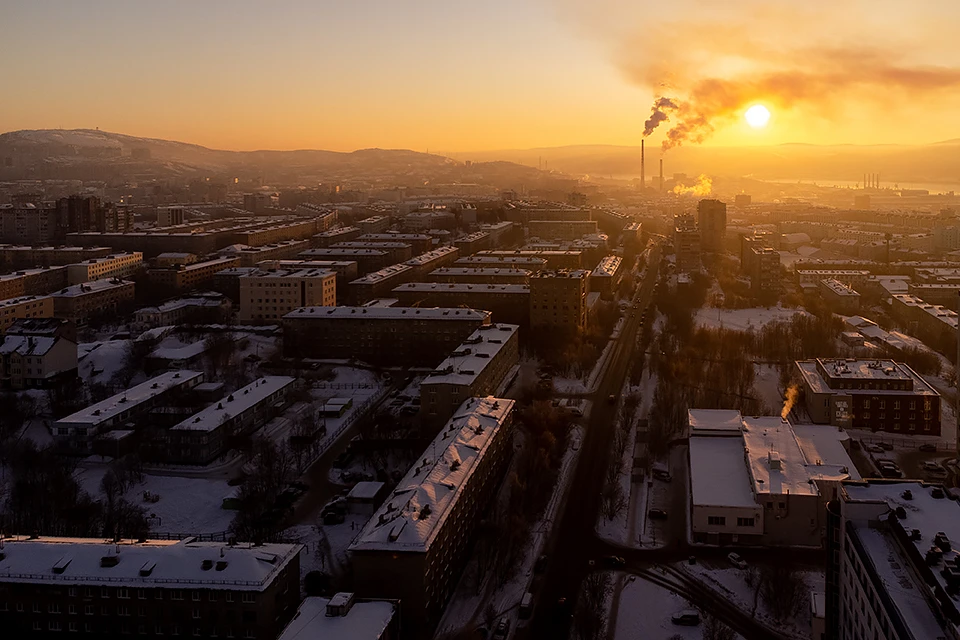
[(767, 387), (100, 361), (186, 505), (326, 545), (743, 319)]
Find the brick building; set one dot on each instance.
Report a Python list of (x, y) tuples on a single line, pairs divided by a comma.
[(558, 299), (268, 295)]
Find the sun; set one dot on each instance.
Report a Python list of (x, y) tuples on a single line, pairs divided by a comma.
[(757, 116)]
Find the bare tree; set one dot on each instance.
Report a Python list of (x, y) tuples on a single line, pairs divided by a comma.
[(588, 621), (714, 629), (783, 589)]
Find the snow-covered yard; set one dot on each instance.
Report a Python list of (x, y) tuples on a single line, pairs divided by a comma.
[(743, 319), (326, 545), (645, 611)]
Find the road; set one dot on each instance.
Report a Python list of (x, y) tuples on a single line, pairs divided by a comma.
[(573, 541)]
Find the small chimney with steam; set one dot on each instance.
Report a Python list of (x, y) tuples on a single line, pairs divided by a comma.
[(643, 167), (661, 175)]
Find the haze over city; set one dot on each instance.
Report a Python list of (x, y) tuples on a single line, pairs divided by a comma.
[(504, 320)]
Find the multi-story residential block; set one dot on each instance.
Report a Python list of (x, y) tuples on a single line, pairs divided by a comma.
[(268, 295), (486, 261), (880, 395), (326, 217), (367, 260), (839, 297), (712, 222), (891, 563), (169, 216), (374, 224), (633, 235), (419, 242), (504, 232), (80, 302), (209, 306), (30, 223), (434, 259), (927, 275), (191, 276), (415, 546), (937, 294), (686, 243), (227, 281), (13, 309), (175, 259), (471, 243), (569, 259), (36, 359), (558, 300), (32, 282), (606, 277), (333, 236), (119, 265), (561, 229), (480, 275), (507, 302), (758, 480), (380, 335), (149, 588), (27, 257), (344, 616), (936, 324), (477, 368), (395, 251), (378, 284), (87, 213), (251, 256), (76, 432), (206, 435), (764, 272), (810, 278)]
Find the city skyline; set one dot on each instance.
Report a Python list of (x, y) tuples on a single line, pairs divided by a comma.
[(453, 77)]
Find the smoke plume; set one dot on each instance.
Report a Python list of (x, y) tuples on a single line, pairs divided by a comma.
[(790, 399), (820, 63), (703, 187)]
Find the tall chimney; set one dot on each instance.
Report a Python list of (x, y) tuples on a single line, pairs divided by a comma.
[(643, 167), (661, 175), (956, 409)]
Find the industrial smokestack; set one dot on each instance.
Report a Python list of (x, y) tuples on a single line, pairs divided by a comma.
[(643, 167), (661, 175)]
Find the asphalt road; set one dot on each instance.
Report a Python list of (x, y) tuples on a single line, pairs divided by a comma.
[(573, 541)]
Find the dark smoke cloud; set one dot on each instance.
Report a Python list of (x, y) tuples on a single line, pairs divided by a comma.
[(658, 114)]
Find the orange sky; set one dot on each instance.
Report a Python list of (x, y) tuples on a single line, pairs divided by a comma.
[(457, 76)]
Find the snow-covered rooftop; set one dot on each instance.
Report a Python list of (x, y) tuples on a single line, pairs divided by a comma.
[(480, 271), (608, 267), (367, 490), (777, 465), (718, 473), (433, 254), (27, 345), (467, 362), (365, 621), (235, 404), (528, 260), (412, 515), (463, 287), (386, 273), (724, 421), (127, 400), (87, 288), (153, 563), (389, 313), (850, 370)]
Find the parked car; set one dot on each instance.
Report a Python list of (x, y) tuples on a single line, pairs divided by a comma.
[(886, 446), (873, 448), (540, 565), (686, 618), (928, 447), (662, 474), (611, 399), (736, 560), (657, 514), (934, 468)]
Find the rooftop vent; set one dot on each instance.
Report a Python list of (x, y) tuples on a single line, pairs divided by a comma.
[(221, 565), (907, 495), (147, 568), (206, 565), (62, 564), (424, 512), (109, 561)]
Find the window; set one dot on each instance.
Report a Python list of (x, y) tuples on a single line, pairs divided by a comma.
[(72, 609), (247, 598), (124, 593), (88, 610), (745, 522), (196, 614), (715, 521), (72, 592), (176, 594), (228, 596)]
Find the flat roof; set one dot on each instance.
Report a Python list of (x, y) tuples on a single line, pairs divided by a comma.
[(365, 490), (487, 259), (462, 287), (721, 420), (777, 466), (388, 313), (167, 563), (94, 286), (383, 274), (125, 400), (825, 446), (234, 404), (433, 254), (853, 370), (481, 271), (839, 288), (13, 302), (290, 273), (21, 273), (342, 251), (608, 267), (412, 515), (718, 473), (366, 620), (467, 362)]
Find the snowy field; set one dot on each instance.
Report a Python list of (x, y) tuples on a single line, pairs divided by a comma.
[(645, 611), (743, 319), (326, 545)]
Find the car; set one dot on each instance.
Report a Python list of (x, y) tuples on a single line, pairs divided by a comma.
[(692, 560), (657, 514), (928, 447), (934, 468), (540, 565), (873, 448), (503, 628), (611, 399), (686, 618), (886, 446), (736, 560), (614, 561)]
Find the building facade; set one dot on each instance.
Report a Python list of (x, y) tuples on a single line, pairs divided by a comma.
[(507, 302), (80, 302), (712, 221), (558, 300), (268, 295), (119, 265)]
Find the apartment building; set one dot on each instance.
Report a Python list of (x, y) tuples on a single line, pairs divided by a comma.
[(558, 300), (368, 260), (633, 235), (346, 617), (227, 281), (378, 284), (76, 432), (325, 239), (80, 302), (203, 437), (27, 257), (605, 278), (374, 224), (170, 215), (268, 295), (251, 256), (507, 302), (561, 229), (52, 587), (712, 223), (175, 259), (761, 481), (30, 223), (810, 278), (839, 297), (35, 359), (571, 259), (415, 546), (934, 323), (891, 566), (419, 242), (32, 282), (764, 272), (471, 243), (13, 309), (486, 261), (395, 251), (686, 244), (191, 276), (880, 395), (118, 265), (480, 275), (935, 293), (432, 260), (477, 368), (379, 335), (174, 312)]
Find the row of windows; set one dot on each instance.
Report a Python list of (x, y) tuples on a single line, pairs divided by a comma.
[(721, 521), (159, 630), (124, 593)]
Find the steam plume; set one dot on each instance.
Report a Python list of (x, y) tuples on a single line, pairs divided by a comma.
[(703, 187), (791, 396), (658, 114)]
